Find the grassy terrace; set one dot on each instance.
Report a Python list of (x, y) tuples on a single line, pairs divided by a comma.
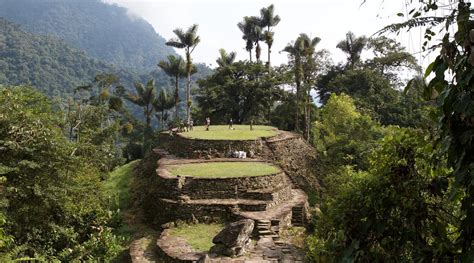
[(223, 169), (222, 132), (198, 236)]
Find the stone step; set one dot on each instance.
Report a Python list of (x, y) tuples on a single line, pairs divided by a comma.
[(262, 206), (266, 233), (268, 194)]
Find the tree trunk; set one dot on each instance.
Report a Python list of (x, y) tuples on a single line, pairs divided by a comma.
[(308, 115), (250, 53), (176, 97), (257, 52), (297, 120), (298, 72), (188, 87), (269, 51), (163, 119)]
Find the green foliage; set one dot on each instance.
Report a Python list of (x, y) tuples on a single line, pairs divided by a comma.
[(343, 135), (395, 210), (451, 85), (456, 107), (104, 31), (242, 91), (56, 210), (117, 185), (188, 40), (45, 62), (353, 47), (162, 104), (376, 96)]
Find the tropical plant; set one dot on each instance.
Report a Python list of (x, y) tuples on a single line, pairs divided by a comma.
[(144, 98), (225, 59), (247, 27), (188, 40), (268, 20), (452, 87), (257, 36), (353, 47), (56, 209), (296, 53), (174, 68), (162, 104), (309, 76)]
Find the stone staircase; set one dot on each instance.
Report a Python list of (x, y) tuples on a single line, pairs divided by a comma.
[(299, 216)]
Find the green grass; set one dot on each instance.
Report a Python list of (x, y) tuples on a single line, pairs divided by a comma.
[(117, 186), (222, 132), (198, 236), (223, 169)]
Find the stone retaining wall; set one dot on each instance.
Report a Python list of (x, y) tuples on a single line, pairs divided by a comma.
[(289, 150), (198, 148), (171, 210)]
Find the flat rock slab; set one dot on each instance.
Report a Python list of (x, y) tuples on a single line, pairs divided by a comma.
[(177, 248)]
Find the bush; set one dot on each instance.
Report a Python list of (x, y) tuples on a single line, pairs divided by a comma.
[(395, 210)]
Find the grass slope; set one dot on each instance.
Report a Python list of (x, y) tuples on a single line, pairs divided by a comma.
[(223, 169), (198, 236), (222, 132), (117, 186)]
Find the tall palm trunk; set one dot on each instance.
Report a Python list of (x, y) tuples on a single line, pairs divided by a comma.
[(176, 97), (298, 72), (162, 119), (258, 51), (250, 53), (307, 113), (188, 86), (269, 49), (269, 65)]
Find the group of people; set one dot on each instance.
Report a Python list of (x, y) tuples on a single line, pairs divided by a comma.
[(208, 124), (190, 125)]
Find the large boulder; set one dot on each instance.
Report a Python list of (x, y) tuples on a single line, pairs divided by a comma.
[(234, 239)]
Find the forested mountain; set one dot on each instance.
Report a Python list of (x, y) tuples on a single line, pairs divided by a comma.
[(45, 62), (103, 31)]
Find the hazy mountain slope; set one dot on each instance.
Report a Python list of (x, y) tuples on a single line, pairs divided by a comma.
[(103, 31), (46, 62)]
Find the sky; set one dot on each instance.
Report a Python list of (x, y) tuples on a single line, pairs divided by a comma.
[(329, 20)]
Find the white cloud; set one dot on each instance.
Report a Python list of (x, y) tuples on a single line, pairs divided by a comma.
[(327, 19)]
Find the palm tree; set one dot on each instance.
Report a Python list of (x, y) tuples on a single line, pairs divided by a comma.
[(247, 28), (308, 46), (187, 40), (353, 47), (295, 51), (257, 37), (162, 104), (174, 68), (268, 20), (225, 59), (144, 98)]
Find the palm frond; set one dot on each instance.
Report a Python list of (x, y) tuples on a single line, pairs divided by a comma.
[(175, 43), (413, 22)]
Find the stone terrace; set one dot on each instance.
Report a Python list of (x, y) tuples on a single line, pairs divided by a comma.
[(273, 201)]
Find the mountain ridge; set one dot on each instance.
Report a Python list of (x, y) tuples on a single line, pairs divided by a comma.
[(104, 31)]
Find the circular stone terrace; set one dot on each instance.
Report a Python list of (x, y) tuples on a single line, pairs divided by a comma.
[(236, 133), (223, 169)]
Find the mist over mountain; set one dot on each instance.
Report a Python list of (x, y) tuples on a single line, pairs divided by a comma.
[(104, 31)]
